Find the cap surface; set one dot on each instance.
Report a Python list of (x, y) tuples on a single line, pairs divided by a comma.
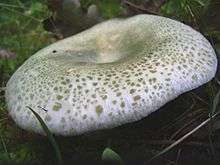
[(116, 72)]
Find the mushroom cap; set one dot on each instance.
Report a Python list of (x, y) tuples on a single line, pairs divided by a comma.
[(114, 73)]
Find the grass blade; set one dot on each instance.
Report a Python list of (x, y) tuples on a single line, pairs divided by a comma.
[(5, 148), (200, 2), (215, 103), (49, 135), (110, 155)]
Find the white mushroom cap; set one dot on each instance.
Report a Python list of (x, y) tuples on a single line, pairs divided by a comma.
[(117, 72)]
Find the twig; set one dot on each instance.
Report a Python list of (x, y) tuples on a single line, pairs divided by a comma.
[(184, 126), (140, 8), (192, 14), (200, 99), (168, 126), (184, 137)]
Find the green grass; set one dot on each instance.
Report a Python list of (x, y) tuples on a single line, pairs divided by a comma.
[(22, 31), (110, 155)]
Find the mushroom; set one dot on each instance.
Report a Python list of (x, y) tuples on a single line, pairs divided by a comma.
[(116, 72)]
